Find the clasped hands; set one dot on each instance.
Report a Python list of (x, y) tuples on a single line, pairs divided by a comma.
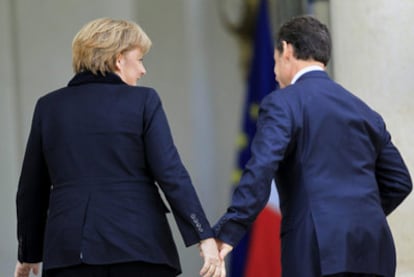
[(213, 252)]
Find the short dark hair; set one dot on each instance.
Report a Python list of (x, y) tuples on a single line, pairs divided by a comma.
[(309, 37)]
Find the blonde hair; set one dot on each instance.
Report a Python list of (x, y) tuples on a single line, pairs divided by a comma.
[(97, 45)]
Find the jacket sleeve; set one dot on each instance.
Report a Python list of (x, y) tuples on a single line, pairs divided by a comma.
[(392, 175), (32, 198), (272, 139), (171, 175)]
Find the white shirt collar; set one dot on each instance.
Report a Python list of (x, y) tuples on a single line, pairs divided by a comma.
[(305, 70)]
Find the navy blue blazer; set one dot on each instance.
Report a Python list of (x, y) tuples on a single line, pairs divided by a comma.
[(87, 191), (338, 175)]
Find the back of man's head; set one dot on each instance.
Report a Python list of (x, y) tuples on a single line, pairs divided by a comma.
[(310, 38)]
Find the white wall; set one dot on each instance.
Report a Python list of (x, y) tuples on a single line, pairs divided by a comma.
[(373, 46)]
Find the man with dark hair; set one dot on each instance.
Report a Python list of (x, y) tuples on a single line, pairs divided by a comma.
[(337, 171)]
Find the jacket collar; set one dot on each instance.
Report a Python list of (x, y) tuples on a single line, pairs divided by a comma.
[(88, 77), (313, 74), (304, 71)]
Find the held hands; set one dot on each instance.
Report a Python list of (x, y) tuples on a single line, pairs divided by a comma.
[(213, 266), (224, 248), (23, 269)]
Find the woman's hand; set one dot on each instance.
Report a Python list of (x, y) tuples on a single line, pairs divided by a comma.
[(213, 266), (24, 269)]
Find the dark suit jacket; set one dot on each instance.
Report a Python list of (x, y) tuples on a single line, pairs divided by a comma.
[(96, 149), (338, 176)]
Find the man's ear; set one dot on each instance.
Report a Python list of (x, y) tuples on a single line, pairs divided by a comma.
[(287, 50)]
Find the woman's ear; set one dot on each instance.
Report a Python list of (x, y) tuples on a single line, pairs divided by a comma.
[(119, 61)]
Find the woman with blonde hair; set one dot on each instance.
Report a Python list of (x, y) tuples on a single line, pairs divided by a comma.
[(99, 149)]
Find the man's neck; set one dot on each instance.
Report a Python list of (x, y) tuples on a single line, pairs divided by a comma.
[(300, 64), (304, 67)]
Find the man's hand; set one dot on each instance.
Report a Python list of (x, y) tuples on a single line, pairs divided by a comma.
[(224, 248), (24, 269)]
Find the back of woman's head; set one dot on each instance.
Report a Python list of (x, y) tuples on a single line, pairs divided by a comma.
[(98, 43)]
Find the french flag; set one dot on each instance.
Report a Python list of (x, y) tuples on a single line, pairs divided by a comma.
[(258, 253), (263, 258)]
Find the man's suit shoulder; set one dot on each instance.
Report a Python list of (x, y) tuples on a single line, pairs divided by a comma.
[(283, 95)]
